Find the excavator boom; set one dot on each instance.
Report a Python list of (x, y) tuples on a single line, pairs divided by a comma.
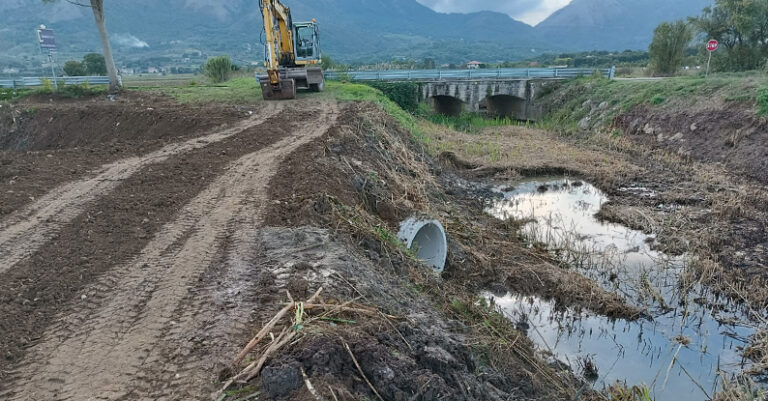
[(292, 53)]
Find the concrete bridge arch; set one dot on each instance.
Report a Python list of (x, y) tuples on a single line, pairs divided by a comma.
[(507, 98)]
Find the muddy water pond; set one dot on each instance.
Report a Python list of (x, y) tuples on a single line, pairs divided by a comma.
[(683, 345)]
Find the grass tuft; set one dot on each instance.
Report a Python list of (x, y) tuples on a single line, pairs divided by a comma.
[(762, 102)]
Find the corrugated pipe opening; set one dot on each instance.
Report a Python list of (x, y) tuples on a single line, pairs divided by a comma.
[(426, 237)]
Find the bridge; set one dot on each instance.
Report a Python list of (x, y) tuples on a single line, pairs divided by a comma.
[(505, 92)]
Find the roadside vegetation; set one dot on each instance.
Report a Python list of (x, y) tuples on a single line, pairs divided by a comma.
[(218, 69), (668, 47)]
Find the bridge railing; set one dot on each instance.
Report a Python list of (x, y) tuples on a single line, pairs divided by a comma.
[(499, 73), (31, 82)]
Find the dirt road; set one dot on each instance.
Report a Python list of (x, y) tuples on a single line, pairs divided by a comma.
[(104, 291)]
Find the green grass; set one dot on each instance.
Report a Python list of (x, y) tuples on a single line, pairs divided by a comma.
[(762, 102), (348, 92), (242, 90), (65, 91)]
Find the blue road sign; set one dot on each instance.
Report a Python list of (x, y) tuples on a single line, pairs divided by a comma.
[(46, 39)]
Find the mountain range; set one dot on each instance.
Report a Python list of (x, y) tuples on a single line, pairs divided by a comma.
[(352, 30)]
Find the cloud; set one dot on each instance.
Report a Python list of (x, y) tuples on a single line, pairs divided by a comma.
[(529, 11), (128, 40)]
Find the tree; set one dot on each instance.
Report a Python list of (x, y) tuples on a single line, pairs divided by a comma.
[(75, 69), (741, 27), (218, 69), (95, 64), (668, 47), (97, 6)]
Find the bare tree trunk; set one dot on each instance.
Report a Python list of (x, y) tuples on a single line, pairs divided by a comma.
[(98, 16)]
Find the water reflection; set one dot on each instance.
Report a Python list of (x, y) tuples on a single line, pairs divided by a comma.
[(684, 328)]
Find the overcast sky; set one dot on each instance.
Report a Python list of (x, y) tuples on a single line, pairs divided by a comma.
[(528, 11)]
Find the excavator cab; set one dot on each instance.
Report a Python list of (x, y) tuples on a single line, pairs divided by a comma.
[(307, 42)]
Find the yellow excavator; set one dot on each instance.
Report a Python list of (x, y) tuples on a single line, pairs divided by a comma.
[(292, 52)]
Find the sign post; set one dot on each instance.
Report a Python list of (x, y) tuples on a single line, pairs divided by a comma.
[(47, 42), (712, 45)]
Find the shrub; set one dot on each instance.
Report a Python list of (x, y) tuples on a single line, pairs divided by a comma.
[(81, 90), (94, 64), (218, 69), (405, 94), (75, 69), (670, 39)]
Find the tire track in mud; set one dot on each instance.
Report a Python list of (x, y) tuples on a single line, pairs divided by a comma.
[(23, 232), (112, 230), (133, 338)]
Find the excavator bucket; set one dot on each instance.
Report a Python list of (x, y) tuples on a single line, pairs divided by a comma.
[(286, 89)]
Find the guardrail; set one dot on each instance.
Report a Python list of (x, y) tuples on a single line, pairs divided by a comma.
[(30, 82), (499, 73)]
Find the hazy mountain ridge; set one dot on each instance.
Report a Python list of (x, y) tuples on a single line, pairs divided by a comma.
[(364, 31), (614, 24), (352, 30)]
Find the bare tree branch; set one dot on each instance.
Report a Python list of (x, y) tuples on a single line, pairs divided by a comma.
[(77, 4)]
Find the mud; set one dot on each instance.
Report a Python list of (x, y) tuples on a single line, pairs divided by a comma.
[(423, 357), (55, 279), (143, 274), (43, 145), (731, 136)]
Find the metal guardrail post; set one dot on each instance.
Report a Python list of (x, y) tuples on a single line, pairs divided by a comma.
[(612, 74), (470, 74), (556, 70)]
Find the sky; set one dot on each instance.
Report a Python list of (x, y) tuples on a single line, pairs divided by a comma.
[(529, 11)]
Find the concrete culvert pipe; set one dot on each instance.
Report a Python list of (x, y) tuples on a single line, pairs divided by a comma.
[(426, 237)]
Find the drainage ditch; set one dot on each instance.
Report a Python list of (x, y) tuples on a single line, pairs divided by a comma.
[(689, 340)]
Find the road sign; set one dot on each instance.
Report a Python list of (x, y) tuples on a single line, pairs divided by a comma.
[(46, 39), (712, 45)]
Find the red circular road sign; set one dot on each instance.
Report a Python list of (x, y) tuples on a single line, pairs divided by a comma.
[(713, 45)]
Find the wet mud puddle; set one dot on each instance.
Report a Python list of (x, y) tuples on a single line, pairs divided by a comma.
[(682, 326)]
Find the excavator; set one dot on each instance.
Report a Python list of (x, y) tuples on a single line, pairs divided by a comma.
[(292, 53)]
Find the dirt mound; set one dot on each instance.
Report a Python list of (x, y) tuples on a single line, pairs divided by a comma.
[(732, 136), (34, 127), (43, 145)]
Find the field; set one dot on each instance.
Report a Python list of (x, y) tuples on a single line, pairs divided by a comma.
[(146, 241)]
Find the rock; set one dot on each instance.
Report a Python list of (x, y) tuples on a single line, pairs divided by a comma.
[(648, 129), (694, 127), (677, 137), (660, 137), (683, 152), (438, 359), (602, 105), (280, 381), (584, 123), (586, 103)]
